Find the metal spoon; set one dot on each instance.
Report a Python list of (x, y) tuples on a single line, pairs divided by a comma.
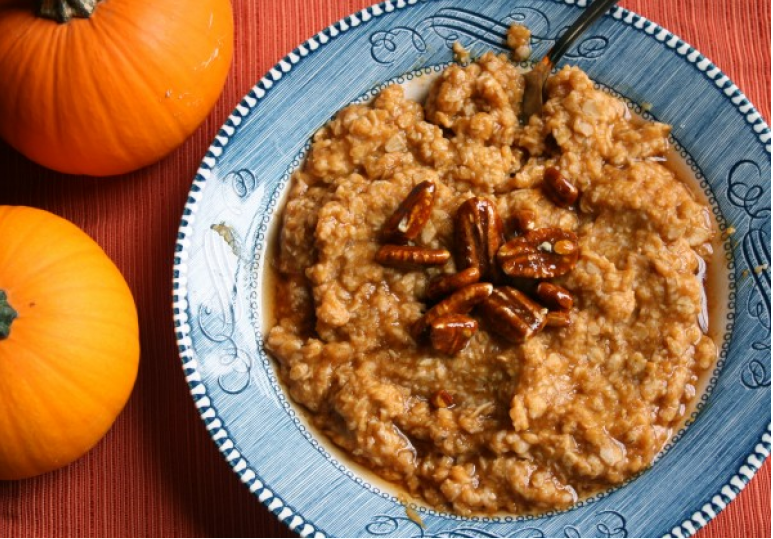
[(535, 79)]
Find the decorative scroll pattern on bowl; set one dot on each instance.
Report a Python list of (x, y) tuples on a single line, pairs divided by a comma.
[(469, 27), (610, 524)]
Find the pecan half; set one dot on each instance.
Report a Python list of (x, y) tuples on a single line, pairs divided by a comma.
[(555, 297), (534, 256), (559, 319), (512, 314), (450, 333), (407, 257), (447, 283), (460, 302), (411, 215), (561, 191), (442, 399), (478, 236)]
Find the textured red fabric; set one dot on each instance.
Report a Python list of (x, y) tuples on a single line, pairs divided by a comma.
[(157, 473)]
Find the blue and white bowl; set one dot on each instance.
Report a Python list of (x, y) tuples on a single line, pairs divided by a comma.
[(219, 278)]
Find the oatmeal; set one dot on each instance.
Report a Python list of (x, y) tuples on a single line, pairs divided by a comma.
[(461, 411), (519, 41)]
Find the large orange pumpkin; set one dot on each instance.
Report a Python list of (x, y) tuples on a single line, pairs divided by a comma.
[(116, 85), (69, 342)]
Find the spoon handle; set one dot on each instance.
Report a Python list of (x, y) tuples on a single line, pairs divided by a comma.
[(588, 17)]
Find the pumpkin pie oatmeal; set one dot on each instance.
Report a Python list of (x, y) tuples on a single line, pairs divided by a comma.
[(496, 317)]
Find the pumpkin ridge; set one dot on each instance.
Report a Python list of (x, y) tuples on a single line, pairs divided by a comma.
[(20, 41), (81, 345), (28, 230), (179, 57), (35, 271), (102, 100), (37, 457), (94, 317), (22, 231), (77, 41), (138, 75), (52, 369), (74, 285), (64, 258), (12, 437)]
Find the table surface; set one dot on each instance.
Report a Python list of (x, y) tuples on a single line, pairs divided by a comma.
[(157, 473)]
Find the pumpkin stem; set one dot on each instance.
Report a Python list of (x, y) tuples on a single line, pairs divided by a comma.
[(7, 314), (63, 10)]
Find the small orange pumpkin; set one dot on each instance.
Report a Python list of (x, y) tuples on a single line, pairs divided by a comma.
[(109, 86), (69, 342)]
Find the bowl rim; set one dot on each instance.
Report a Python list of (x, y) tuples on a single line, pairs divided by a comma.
[(693, 519)]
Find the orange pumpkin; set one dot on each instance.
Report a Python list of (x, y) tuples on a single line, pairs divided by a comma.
[(69, 342), (116, 85)]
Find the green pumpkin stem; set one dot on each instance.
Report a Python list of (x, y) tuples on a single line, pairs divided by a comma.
[(63, 10), (7, 314)]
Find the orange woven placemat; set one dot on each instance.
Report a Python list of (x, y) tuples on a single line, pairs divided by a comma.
[(157, 473)]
